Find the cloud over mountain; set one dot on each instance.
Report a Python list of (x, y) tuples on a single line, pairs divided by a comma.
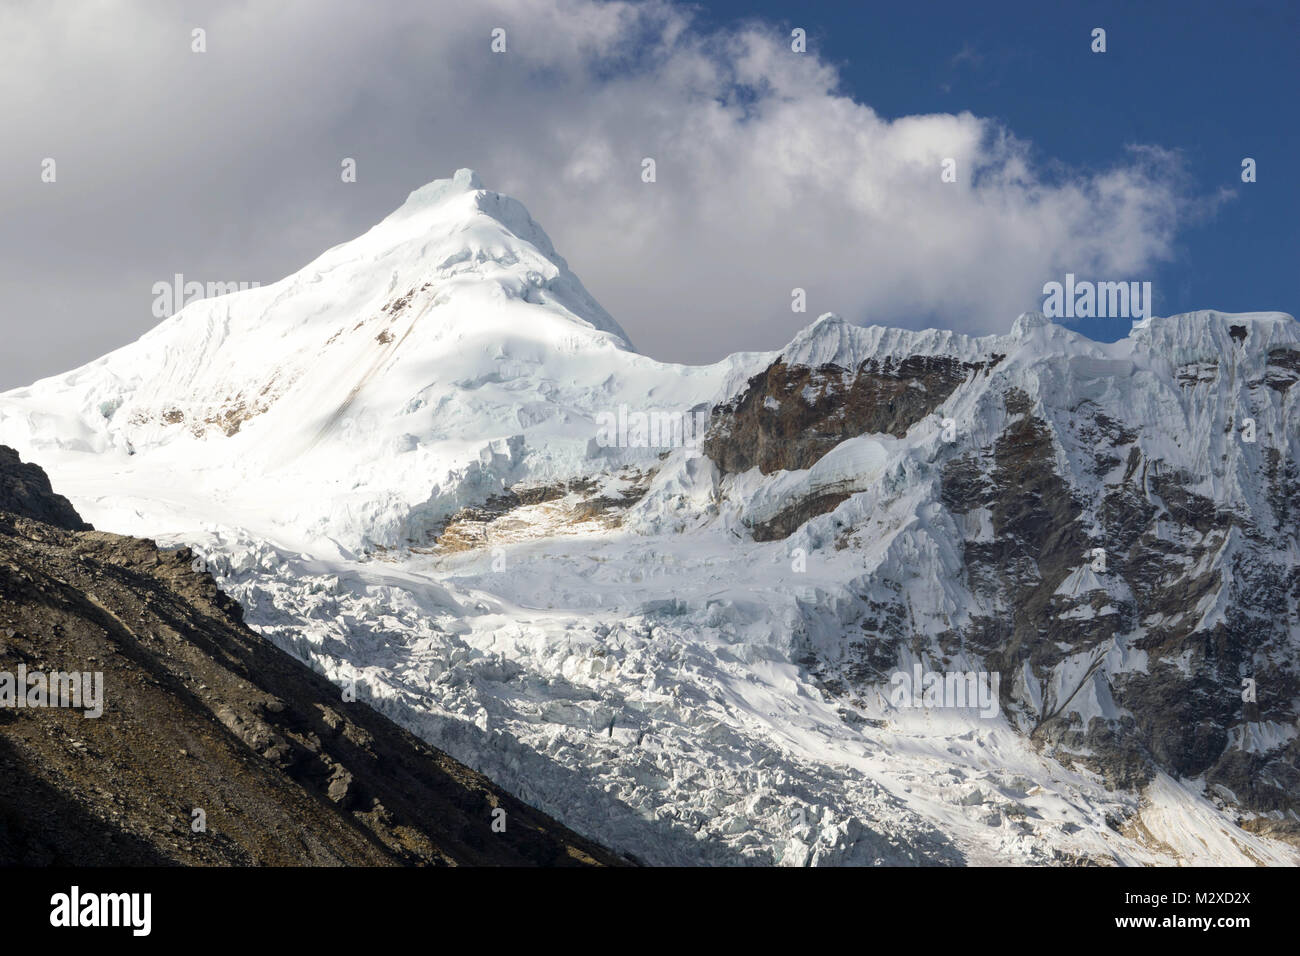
[(769, 177)]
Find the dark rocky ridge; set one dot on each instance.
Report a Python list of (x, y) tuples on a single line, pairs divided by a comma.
[(25, 490), (788, 521), (788, 416), (201, 713)]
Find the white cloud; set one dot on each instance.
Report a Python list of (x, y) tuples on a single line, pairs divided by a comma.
[(225, 165)]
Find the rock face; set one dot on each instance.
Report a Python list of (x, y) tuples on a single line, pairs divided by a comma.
[(789, 416), (1157, 555), (213, 746), (25, 490), (1126, 533)]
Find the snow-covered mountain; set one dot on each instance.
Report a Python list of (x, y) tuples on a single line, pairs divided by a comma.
[(430, 462)]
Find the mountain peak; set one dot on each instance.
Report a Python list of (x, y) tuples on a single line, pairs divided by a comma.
[(439, 191), (456, 226), (468, 178), (458, 284), (1026, 322)]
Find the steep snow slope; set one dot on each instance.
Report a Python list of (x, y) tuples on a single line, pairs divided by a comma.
[(447, 350), (398, 460)]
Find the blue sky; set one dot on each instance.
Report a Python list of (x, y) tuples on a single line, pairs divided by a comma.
[(776, 171), (1215, 81)]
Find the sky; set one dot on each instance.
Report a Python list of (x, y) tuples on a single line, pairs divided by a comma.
[(775, 169)]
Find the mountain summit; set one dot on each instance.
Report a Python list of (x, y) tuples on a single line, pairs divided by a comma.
[(386, 354)]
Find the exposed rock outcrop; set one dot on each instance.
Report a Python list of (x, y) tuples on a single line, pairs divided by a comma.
[(789, 416)]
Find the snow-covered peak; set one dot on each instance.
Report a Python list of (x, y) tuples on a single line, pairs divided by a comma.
[(464, 182), (432, 358), (1157, 342), (833, 341), (1211, 333), (456, 227), (456, 276), (1027, 322)]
